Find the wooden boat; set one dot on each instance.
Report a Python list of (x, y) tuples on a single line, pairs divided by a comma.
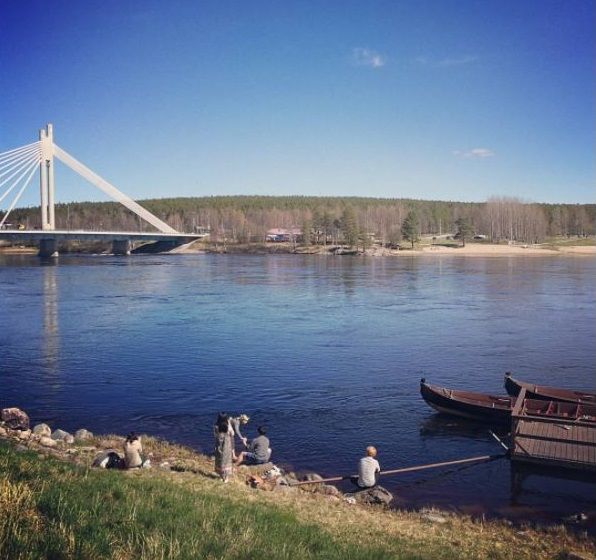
[(476, 406), (545, 393)]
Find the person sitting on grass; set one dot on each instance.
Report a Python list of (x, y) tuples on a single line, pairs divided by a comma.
[(259, 450), (368, 469), (133, 450)]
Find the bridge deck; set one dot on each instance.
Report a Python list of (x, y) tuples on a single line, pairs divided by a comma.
[(23, 235)]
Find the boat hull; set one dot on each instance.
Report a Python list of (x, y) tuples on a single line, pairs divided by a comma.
[(544, 393), (462, 404)]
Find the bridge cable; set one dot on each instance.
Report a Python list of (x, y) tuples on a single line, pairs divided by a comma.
[(111, 190), (16, 199), (10, 161), (10, 166), (21, 149), (20, 167)]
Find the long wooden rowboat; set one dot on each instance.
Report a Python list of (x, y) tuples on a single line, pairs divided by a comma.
[(544, 393), (476, 406)]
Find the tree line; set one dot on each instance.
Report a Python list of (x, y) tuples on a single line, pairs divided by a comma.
[(349, 220)]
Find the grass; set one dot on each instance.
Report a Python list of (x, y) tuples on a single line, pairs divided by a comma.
[(555, 242), (53, 509)]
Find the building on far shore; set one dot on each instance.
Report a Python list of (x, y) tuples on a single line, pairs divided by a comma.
[(283, 235)]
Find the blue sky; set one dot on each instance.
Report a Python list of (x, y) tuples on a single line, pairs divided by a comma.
[(450, 100)]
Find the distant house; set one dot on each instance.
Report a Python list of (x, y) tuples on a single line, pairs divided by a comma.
[(283, 235)]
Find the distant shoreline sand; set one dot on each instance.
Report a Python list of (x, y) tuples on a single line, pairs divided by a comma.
[(470, 250)]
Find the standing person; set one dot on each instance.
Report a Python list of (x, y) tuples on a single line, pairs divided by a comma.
[(236, 422), (368, 469), (259, 450), (132, 451), (224, 447)]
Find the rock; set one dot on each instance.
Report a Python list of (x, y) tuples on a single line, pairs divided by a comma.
[(328, 490), (82, 435), (15, 418), (312, 477), (24, 434), (42, 430), (349, 499), (3, 432), (21, 448), (48, 442), (376, 496), (61, 435), (433, 517)]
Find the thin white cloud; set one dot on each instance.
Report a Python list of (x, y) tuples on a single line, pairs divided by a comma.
[(446, 62), (474, 153), (367, 57)]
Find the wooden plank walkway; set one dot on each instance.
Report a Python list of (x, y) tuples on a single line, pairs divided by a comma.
[(562, 440)]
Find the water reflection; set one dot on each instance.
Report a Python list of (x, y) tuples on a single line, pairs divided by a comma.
[(50, 340)]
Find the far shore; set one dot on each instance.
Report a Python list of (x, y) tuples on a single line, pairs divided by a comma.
[(469, 250)]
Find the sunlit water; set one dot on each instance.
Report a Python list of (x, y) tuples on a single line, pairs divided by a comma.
[(326, 351)]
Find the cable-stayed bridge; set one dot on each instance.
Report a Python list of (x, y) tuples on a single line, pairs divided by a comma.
[(17, 169)]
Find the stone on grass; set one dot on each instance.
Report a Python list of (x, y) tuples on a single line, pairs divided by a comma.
[(433, 517), (48, 442), (3, 432), (375, 496), (24, 434), (312, 477), (82, 435), (61, 435), (328, 490), (15, 418), (42, 430)]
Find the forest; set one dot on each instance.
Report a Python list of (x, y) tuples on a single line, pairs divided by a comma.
[(245, 219)]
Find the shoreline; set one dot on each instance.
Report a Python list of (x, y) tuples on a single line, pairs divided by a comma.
[(470, 250), (398, 533)]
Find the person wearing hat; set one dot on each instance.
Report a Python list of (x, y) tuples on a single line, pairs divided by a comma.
[(368, 468), (235, 423)]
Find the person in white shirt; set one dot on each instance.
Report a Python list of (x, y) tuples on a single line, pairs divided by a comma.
[(368, 468)]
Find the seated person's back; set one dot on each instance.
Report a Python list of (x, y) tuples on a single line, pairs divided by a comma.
[(368, 467), (260, 447)]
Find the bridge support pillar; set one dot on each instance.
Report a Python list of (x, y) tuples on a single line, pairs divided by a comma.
[(121, 247), (48, 247)]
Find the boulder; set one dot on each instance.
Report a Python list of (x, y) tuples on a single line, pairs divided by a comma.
[(3, 432), (328, 490), (42, 430), (61, 435), (375, 496), (48, 442), (15, 418), (24, 434), (83, 435), (312, 477)]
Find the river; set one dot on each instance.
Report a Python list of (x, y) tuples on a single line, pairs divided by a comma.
[(326, 351)]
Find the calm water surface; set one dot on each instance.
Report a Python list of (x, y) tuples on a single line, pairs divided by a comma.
[(327, 351)]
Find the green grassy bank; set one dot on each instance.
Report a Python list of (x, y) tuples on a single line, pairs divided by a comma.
[(54, 509)]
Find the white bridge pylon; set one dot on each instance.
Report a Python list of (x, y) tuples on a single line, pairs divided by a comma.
[(18, 166)]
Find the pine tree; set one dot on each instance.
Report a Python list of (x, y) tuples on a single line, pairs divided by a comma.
[(409, 229)]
